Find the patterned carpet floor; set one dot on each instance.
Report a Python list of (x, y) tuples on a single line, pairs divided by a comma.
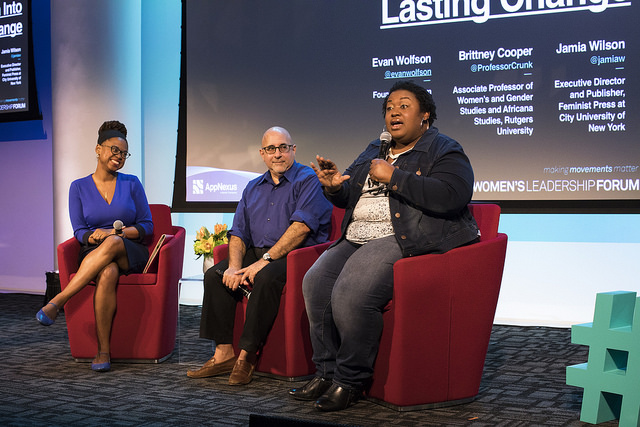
[(523, 384)]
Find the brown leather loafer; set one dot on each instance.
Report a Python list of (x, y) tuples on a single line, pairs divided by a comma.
[(211, 368), (242, 373)]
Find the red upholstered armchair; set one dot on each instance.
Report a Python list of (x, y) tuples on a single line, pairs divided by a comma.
[(437, 327), (287, 351), (144, 327)]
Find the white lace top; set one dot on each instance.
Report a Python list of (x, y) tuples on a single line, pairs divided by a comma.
[(371, 216)]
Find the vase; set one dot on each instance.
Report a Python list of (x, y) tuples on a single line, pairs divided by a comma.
[(207, 263)]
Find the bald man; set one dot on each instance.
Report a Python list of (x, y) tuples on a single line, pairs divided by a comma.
[(280, 211)]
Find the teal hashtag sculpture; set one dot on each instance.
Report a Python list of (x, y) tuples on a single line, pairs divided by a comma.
[(611, 376)]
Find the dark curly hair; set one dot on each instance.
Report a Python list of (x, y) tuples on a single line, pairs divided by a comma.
[(113, 125), (424, 98)]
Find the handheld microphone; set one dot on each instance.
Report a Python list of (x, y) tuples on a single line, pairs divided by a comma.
[(385, 141), (117, 226), (245, 291)]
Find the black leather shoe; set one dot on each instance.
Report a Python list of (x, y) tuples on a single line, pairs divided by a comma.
[(311, 390), (337, 398)]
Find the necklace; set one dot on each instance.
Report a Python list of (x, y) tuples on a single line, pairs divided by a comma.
[(104, 188)]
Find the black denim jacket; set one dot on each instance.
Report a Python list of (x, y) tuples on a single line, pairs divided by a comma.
[(428, 194)]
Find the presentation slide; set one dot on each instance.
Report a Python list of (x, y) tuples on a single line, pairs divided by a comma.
[(14, 57), (540, 93)]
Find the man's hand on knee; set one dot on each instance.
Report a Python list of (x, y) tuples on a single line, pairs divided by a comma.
[(249, 273)]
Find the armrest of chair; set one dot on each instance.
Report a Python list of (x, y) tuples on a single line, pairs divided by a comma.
[(456, 283), (301, 259), (298, 263), (456, 294), (487, 216), (68, 259), (220, 252), (170, 258)]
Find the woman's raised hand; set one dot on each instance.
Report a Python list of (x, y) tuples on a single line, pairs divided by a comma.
[(328, 174)]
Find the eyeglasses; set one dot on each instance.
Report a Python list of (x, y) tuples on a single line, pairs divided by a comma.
[(118, 152), (284, 148)]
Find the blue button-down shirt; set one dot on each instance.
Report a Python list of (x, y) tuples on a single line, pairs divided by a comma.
[(266, 210)]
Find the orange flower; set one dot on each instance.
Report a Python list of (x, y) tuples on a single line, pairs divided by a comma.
[(218, 228)]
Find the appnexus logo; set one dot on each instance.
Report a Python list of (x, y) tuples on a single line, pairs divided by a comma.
[(222, 188)]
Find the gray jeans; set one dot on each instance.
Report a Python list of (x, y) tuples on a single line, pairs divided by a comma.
[(345, 292)]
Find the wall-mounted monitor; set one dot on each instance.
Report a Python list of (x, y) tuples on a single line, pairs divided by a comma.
[(18, 95)]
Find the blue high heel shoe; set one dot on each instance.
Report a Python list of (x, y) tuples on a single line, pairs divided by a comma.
[(101, 367), (43, 318)]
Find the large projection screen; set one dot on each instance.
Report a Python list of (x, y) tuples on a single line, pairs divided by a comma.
[(542, 95)]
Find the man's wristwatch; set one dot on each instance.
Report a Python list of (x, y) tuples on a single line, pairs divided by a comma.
[(267, 257)]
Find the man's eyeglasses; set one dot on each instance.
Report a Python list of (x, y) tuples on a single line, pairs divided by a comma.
[(118, 152), (271, 149)]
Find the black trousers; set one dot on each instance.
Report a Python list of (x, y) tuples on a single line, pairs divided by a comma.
[(219, 303)]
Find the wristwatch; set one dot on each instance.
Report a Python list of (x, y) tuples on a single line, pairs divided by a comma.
[(267, 257)]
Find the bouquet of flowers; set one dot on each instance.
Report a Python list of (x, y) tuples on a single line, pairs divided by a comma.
[(206, 241)]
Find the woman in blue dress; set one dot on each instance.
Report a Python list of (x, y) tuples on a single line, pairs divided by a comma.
[(97, 203)]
